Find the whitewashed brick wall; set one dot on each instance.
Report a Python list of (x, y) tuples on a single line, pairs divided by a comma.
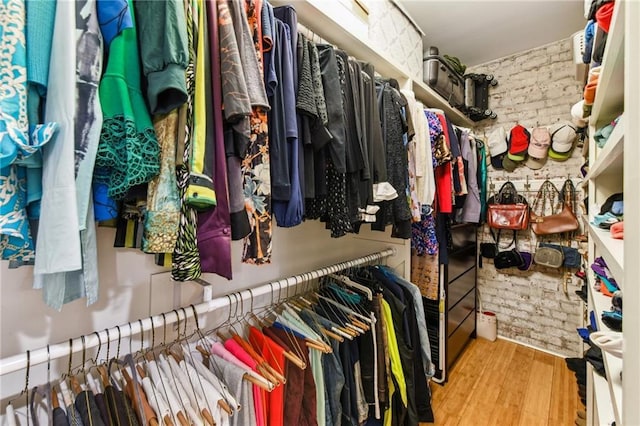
[(535, 87)]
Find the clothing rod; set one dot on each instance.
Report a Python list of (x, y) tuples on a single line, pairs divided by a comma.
[(62, 350)]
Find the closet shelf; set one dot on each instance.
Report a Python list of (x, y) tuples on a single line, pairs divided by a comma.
[(603, 399), (585, 220), (611, 250), (431, 99), (345, 31), (610, 158), (614, 369), (599, 302), (612, 365), (609, 102)]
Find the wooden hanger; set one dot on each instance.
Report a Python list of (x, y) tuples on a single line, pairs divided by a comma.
[(54, 398)]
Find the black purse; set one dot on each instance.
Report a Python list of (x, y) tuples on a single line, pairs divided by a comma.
[(508, 259), (489, 250)]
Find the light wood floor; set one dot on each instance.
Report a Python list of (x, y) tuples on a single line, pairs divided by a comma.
[(502, 383)]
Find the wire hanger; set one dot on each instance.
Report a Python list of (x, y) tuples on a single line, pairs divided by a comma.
[(187, 400), (175, 403), (204, 387), (10, 412)]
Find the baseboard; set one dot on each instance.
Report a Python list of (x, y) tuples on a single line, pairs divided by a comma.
[(532, 347)]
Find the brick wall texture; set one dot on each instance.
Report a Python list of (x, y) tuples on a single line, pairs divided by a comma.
[(536, 87)]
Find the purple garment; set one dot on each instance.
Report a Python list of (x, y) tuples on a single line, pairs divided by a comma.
[(214, 227)]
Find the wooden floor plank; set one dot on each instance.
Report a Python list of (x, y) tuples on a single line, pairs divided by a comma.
[(503, 383), (565, 390), (537, 397), (518, 368)]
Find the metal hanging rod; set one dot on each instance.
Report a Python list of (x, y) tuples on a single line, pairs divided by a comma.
[(83, 343)]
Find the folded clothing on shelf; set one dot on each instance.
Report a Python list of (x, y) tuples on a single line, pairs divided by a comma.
[(601, 136), (608, 341), (599, 266), (617, 230), (613, 320)]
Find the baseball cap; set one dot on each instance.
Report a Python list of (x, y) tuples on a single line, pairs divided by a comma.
[(518, 143), (563, 137), (497, 147), (508, 164), (604, 15), (577, 115), (538, 148)]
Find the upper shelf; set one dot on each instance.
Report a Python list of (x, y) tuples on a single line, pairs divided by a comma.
[(609, 102), (431, 99), (327, 20), (610, 158)]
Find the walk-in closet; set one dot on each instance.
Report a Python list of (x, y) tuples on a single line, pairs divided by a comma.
[(319, 212)]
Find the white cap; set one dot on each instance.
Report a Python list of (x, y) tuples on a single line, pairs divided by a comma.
[(497, 142), (563, 135), (576, 115)]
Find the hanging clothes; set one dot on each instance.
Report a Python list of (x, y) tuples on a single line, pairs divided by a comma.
[(215, 227), (186, 257), (163, 28), (19, 141), (256, 174), (123, 162), (284, 143), (40, 19), (482, 178), (472, 206), (394, 212), (425, 184), (76, 276)]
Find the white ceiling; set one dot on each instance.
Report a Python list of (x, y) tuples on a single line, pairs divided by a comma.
[(478, 31)]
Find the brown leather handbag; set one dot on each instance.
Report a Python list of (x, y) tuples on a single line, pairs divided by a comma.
[(508, 209), (562, 219)]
